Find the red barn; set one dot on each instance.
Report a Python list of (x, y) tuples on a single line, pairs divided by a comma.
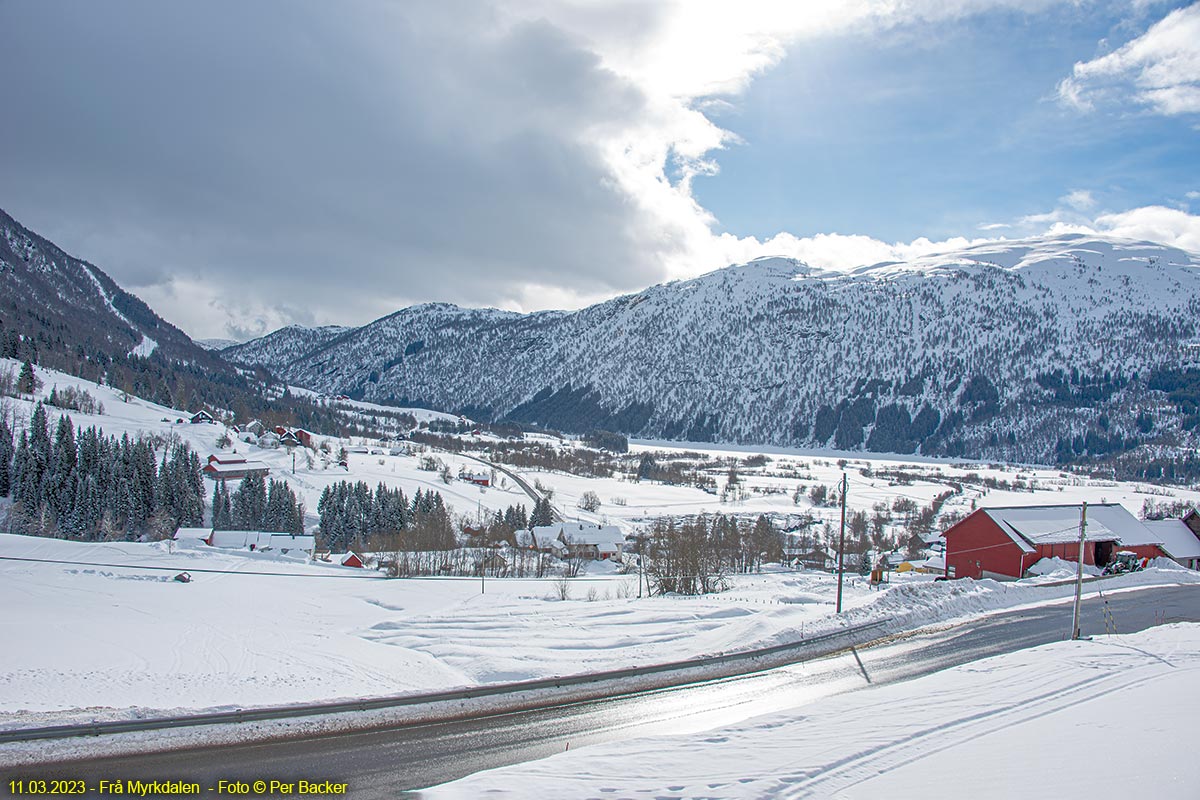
[(477, 478), (233, 467), (352, 559), (1004, 542)]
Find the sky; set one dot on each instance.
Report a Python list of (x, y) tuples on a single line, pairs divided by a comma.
[(243, 166)]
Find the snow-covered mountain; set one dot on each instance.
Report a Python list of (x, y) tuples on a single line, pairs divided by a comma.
[(72, 306), (64, 313), (282, 347), (1028, 350)]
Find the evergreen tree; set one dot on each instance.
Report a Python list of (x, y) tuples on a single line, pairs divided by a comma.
[(6, 457), (542, 514), (222, 508), (249, 503), (26, 381), (60, 477)]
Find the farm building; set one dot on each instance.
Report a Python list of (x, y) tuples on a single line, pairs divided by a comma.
[(193, 534), (477, 478), (1180, 538), (352, 559), (1004, 542), (249, 540), (202, 416), (232, 467)]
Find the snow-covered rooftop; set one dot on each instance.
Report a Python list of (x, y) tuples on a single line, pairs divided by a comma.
[(1060, 524), (1177, 538)]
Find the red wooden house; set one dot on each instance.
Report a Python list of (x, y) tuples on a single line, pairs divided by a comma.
[(1004, 542)]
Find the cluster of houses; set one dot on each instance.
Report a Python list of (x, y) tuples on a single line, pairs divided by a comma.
[(1003, 543), (256, 432)]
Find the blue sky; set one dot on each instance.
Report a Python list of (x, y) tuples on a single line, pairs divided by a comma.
[(904, 134), (533, 154)]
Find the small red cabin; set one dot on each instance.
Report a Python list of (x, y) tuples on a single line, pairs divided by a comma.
[(352, 559)]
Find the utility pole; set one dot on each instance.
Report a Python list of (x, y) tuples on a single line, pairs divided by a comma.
[(1079, 573), (841, 546)]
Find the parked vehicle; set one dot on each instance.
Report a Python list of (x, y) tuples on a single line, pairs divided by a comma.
[(1125, 561)]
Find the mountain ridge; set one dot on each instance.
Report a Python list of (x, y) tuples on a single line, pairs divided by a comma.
[(974, 352)]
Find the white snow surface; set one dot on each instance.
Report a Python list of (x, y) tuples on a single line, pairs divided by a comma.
[(102, 642), (1060, 569), (95, 640), (1027, 724), (144, 348)]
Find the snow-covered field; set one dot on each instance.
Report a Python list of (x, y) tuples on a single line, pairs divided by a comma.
[(84, 641), (770, 489), (1100, 719)]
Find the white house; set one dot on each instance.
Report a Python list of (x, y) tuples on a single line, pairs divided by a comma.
[(585, 539), (547, 542)]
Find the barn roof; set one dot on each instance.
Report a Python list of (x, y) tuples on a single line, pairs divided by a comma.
[(602, 536), (261, 539), (1038, 525), (238, 468), (1177, 538), (193, 533)]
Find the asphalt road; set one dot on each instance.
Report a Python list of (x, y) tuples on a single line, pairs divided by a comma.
[(392, 763)]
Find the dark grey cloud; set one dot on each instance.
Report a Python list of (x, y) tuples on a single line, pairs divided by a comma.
[(326, 160)]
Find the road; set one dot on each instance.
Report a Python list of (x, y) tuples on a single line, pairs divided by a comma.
[(391, 763), (533, 493)]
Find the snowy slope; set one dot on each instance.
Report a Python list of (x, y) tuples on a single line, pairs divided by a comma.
[(1018, 725), (958, 354)]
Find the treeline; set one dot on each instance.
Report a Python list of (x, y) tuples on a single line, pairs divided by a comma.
[(85, 485), (580, 461), (353, 516), (255, 506), (673, 472), (697, 554)]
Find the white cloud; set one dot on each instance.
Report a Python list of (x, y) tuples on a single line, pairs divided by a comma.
[(1080, 200), (1160, 224), (1192, 195), (541, 152), (1160, 69)]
